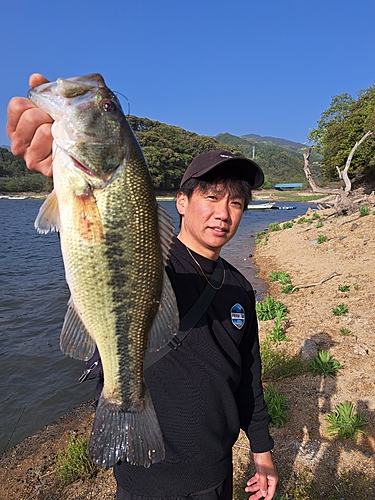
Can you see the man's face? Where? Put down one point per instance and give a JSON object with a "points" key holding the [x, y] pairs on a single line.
{"points": [[209, 219]]}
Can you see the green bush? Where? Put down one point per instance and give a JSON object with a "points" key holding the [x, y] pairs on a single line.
{"points": [[280, 276], [269, 308], [322, 238], [274, 226]]}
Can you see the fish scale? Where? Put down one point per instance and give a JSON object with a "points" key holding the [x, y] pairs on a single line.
{"points": [[114, 250]]}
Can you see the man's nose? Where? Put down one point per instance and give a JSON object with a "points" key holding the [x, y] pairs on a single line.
{"points": [[222, 210]]}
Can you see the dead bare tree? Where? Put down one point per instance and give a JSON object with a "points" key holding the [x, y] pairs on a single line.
{"points": [[339, 199], [344, 174]]}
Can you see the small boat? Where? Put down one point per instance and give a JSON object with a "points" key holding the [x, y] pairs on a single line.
{"points": [[17, 197], [286, 208], [261, 206]]}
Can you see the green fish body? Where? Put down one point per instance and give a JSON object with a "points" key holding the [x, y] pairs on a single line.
{"points": [[114, 241]]}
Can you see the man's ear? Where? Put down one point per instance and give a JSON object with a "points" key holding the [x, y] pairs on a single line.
{"points": [[181, 203]]}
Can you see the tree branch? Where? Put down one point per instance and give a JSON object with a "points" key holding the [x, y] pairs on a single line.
{"points": [[315, 284], [314, 187]]}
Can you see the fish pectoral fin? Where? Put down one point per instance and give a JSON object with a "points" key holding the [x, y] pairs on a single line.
{"points": [[75, 341], [87, 220], [48, 218], [167, 321], [134, 436], [166, 231]]}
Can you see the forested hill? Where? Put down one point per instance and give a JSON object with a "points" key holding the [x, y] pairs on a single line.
{"points": [[285, 143], [168, 151], [280, 164]]}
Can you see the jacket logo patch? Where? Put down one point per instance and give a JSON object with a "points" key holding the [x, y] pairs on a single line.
{"points": [[237, 315]]}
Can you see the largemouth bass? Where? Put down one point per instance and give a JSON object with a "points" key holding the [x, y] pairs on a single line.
{"points": [[114, 242]]}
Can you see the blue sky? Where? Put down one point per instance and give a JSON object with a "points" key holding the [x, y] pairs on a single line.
{"points": [[268, 67]]}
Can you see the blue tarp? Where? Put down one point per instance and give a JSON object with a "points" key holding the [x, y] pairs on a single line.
{"points": [[287, 186]]}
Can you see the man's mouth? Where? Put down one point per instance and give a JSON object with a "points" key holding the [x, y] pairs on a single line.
{"points": [[219, 230]]}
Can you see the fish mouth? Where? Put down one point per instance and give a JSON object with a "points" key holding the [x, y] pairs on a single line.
{"points": [[82, 167], [104, 177]]}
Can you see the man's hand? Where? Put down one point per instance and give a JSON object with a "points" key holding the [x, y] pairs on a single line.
{"points": [[29, 129], [263, 483]]}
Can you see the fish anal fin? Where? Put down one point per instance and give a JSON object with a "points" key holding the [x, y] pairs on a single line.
{"points": [[167, 321], [125, 435], [75, 340], [87, 219], [48, 218]]}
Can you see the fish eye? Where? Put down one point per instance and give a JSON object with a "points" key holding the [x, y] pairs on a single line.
{"points": [[108, 106]]}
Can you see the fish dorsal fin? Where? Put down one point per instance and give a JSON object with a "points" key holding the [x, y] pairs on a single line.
{"points": [[166, 231], [75, 340], [167, 321], [48, 218]]}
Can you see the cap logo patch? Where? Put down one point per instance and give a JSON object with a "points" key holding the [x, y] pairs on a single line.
{"points": [[237, 314], [226, 156]]}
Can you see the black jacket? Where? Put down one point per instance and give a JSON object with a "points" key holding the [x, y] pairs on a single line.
{"points": [[207, 389]]}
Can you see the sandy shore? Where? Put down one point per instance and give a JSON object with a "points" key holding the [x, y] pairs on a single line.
{"points": [[308, 459]]}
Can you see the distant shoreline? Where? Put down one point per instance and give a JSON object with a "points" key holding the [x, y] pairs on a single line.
{"points": [[264, 195]]}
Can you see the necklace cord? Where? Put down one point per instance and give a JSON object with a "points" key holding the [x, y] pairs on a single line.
{"points": [[204, 274]]}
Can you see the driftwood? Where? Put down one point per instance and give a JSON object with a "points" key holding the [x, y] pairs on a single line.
{"points": [[315, 284], [339, 198]]}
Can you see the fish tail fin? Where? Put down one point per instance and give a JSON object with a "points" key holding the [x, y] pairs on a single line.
{"points": [[132, 436]]}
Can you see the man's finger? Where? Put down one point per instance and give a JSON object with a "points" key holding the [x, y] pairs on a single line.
{"points": [[37, 79]]}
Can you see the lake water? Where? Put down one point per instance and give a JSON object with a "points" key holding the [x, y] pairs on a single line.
{"points": [[38, 383]]}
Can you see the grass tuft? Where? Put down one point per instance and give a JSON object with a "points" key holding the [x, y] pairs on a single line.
{"points": [[364, 210], [277, 365], [346, 331], [74, 462], [277, 334], [324, 365], [277, 406], [345, 422], [340, 310]]}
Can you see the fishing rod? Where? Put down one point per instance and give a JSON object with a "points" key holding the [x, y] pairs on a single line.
{"points": [[14, 430]]}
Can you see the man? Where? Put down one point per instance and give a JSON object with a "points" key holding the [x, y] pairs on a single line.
{"points": [[210, 387]]}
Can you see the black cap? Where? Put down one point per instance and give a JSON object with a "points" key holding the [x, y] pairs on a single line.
{"points": [[205, 162]]}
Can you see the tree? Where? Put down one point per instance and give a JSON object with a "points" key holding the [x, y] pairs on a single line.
{"points": [[338, 111], [341, 126]]}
